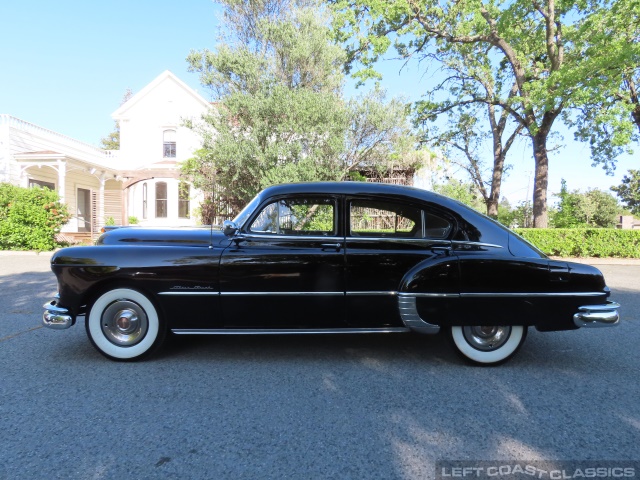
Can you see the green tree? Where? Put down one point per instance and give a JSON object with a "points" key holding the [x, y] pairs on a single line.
{"points": [[30, 218], [608, 114], [474, 119], [629, 191], [279, 116], [593, 208], [378, 137], [112, 141], [466, 193], [530, 44]]}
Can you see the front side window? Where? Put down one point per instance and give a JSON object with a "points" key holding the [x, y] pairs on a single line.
{"points": [[169, 143], [297, 216], [161, 200], [379, 218], [184, 191]]}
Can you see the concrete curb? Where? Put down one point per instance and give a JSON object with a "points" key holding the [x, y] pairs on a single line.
{"points": [[601, 261], [22, 253]]}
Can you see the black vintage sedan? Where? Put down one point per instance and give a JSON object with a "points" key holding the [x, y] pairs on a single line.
{"points": [[327, 258]]}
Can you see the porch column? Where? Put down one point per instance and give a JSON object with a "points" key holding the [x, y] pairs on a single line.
{"points": [[62, 176], [103, 180]]}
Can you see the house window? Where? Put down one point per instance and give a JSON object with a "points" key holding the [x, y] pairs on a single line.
{"points": [[169, 143], [161, 200], [184, 191], [144, 201], [40, 183]]}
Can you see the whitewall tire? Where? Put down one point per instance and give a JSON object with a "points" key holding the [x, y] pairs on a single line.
{"points": [[123, 324], [488, 345]]}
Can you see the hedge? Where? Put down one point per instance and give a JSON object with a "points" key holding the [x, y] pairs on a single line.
{"points": [[588, 242], [29, 218]]}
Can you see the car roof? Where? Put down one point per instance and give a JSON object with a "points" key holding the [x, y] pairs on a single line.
{"points": [[366, 188]]}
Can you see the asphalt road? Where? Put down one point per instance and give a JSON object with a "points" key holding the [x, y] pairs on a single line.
{"points": [[303, 408]]}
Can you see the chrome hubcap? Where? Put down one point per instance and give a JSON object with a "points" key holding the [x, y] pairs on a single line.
{"points": [[124, 323], [485, 338]]}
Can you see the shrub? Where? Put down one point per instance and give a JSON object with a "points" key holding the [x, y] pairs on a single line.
{"points": [[587, 242], [30, 218]]}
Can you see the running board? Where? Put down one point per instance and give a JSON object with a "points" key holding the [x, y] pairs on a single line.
{"points": [[285, 331]]}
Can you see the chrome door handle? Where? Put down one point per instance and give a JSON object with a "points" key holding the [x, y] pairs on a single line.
{"points": [[331, 246]]}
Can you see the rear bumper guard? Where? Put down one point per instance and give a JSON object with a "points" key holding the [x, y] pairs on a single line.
{"points": [[594, 316]]}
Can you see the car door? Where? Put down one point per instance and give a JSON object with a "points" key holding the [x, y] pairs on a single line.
{"points": [[385, 240], [285, 268]]}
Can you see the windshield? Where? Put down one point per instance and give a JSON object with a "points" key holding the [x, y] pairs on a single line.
{"points": [[241, 218]]}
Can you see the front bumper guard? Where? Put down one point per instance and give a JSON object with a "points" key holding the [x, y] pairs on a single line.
{"points": [[56, 317], [594, 316]]}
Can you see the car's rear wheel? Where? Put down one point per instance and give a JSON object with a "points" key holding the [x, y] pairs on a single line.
{"points": [[488, 345], [123, 324]]}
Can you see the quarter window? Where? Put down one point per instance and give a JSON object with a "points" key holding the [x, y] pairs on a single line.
{"points": [[436, 227], [161, 200], [169, 143], [372, 218], [297, 216]]}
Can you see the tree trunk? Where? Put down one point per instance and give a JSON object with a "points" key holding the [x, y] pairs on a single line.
{"points": [[496, 179], [540, 219]]}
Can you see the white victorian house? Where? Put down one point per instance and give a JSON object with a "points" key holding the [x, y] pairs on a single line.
{"points": [[140, 180]]}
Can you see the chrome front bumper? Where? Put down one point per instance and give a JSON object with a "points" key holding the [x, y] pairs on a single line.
{"points": [[56, 317], [597, 315]]}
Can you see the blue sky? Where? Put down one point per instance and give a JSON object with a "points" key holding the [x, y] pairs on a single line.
{"points": [[66, 65]]}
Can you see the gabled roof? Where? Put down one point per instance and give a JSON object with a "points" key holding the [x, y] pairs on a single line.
{"points": [[121, 112]]}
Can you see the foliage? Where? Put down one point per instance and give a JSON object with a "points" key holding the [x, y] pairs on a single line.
{"points": [[629, 191], [30, 218], [112, 141], [536, 48], [110, 222], [280, 116], [593, 208], [466, 193], [133, 220], [608, 115], [573, 242], [472, 126], [378, 137]]}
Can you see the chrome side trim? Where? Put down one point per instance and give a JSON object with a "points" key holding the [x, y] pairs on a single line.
{"points": [[372, 293], [181, 293], [593, 316], [287, 331], [275, 236], [475, 244], [411, 318], [532, 294], [289, 294], [56, 317], [423, 242], [429, 295]]}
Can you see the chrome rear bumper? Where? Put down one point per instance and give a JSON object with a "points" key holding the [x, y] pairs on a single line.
{"points": [[597, 315], [56, 317]]}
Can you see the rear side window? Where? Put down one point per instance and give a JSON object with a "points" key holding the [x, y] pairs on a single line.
{"points": [[297, 216], [436, 227], [373, 218]]}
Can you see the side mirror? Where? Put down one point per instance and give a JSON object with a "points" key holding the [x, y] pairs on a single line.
{"points": [[229, 228]]}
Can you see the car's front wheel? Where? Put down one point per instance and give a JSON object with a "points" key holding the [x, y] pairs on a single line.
{"points": [[488, 345], [123, 324]]}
